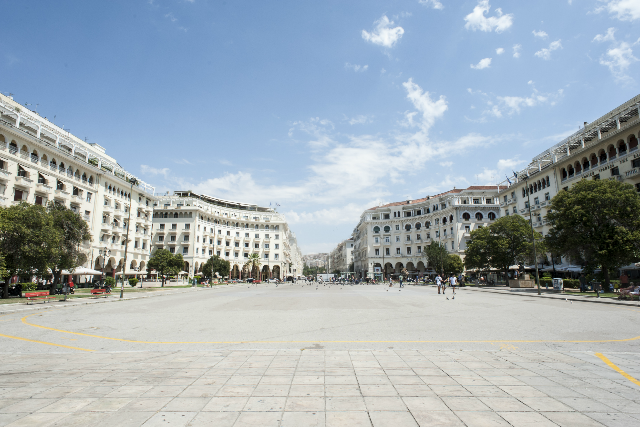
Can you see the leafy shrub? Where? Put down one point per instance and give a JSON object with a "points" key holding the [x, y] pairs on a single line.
{"points": [[110, 281], [29, 287], [133, 282]]}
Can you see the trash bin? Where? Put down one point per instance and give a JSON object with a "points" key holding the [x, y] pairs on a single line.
{"points": [[557, 285]]}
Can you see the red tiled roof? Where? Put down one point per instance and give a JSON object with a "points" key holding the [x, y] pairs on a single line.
{"points": [[454, 191]]}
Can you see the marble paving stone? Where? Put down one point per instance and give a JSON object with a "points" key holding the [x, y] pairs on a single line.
{"points": [[376, 403], [414, 390], [343, 390], [6, 419], [347, 419], [425, 404], [392, 419], [262, 419], [217, 419], [265, 404], [306, 419], [39, 419], [234, 404], [80, 419], [378, 390], [307, 390], [526, 419], [177, 419], [108, 404], [545, 404], [186, 404], [571, 419], [305, 404], [373, 380], [613, 419], [481, 419], [437, 418], [27, 406], [351, 403], [464, 404], [164, 391], [505, 404], [236, 390], [148, 404], [124, 419]]}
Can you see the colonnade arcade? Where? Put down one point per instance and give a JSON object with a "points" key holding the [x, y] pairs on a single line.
{"points": [[240, 271]]}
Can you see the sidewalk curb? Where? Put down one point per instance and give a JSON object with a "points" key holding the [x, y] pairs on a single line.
{"points": [[89, 301], [566, 297]]}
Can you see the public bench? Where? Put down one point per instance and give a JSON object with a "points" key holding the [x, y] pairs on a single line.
{"points": [[40, 295], [98, 292]]}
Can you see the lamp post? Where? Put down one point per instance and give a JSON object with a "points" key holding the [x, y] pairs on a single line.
{"points": [[126, 239], [533, 234]]}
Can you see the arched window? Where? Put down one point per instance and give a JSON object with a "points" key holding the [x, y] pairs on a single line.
{"points": [[491, 216], [418, 226], [175, 215], [622, 148], [466, 216], [633, 143], [479, 216], [564, 174], [91, 179], [387, 229], [603, 156], [407, 227], [450, 218], [444, 220], [376, 229], [427, 224]]}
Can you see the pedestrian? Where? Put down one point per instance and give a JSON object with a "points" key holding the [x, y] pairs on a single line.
{"points": [[452, 282], [583, 283], [624, 280], [401, 285], [439, 283]]}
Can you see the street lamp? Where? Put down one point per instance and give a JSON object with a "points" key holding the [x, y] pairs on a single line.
{"points": [[126, 239], [533, 235]]}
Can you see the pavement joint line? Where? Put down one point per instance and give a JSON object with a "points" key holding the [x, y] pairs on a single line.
{"points": [[617, 369], [26, 322]]}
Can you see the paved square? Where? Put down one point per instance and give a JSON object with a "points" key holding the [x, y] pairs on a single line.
{"points": [[332, 356]]}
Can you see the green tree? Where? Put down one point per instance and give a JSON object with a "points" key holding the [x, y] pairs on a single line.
{"points": [[504, 243], [254, 262], [28, 241], [215, 264], [164, 262], [437, 256], [597, 221], [454, 264], [74, 230]]}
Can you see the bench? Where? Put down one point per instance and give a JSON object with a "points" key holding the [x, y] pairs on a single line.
{"points": [[40, 295], [98, 292]]}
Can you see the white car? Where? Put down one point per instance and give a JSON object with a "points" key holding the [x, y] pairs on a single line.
{"points": [[273, 280]]}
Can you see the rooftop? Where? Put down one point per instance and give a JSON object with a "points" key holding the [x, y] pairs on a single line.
{"points": [[454, 191]]}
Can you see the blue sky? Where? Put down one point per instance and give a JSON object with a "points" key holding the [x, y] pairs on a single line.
{"points": [[324, 107]]}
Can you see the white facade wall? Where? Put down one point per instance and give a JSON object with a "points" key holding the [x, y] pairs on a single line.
{"points": [[392, 237], [41, 163], [199, 226]]}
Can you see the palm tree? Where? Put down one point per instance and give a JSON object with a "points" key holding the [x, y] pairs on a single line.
{"points": [[253, 262]]}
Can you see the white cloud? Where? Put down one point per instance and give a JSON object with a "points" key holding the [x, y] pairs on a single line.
{"points": [[546, 52], [484, 63], [424, 104], [624, 10], [446, 164], [540, 34], [477, 20], [608, 37], [446, 184], [383, 34], [433, 3], [619, 59], [359, 120], [498, 106], [151, 171], [504, 167], [516, 50], [500, 51], [356, 68], [171, 17]]}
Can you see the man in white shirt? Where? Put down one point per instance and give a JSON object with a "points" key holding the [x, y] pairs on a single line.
{"points": [[439, 283]]}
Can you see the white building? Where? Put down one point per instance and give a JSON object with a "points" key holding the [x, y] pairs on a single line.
{"points": [[198, 227], [391, 237], [41, 163], [604, 149], [342, 256]]}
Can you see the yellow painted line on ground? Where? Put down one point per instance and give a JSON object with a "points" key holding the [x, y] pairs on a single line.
{"points": [[26, 322], [43, 342], [618, 370]]}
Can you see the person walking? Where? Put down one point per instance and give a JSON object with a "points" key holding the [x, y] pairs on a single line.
{"points": [[583, 283], [401, 285], [439, 283], [452, 283]]}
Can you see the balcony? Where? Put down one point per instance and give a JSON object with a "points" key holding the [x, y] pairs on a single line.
{"points": [[105, 226], [107, 208], [23, 180], [43, 187]]}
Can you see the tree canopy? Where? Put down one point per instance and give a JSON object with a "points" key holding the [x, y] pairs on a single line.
{"points": [[437, 256], [253, 262], [454, 265], [504, 243], [29, 241], [215, 264], [596, 222], [164, 262]]}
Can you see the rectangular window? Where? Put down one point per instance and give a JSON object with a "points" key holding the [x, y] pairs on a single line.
{"points": [[387, 251], [185, 239], [135, 244], [536, 201], [377, 252], [266, 236], [210, 252], [246, 234], [376, 240], [161, 226], [246, 245], [266, 256], [277, 236], [228, 233], [89, 196], [257, 236], [276, 256], [227, 244], [467, 228], [235, 254], [219, 242], [226, 254], [408, 251], [397, 251], [160, 238], [635, 163], [173, 238], [185, 250], [387, 240], [266, 246], [187, 226], [397, 238], [172, 250], [256, 245], [476, 201], [397, 227], [246, 255], [17, 196], [386, 216], [174, 226], [39, 200], [277, 246], [547, 197], [615, 171], [218, 253], [237, 234], [515, 209], [419, 249]]}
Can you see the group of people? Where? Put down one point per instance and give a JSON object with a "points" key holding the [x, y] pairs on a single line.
{"points": [[452, 281]]}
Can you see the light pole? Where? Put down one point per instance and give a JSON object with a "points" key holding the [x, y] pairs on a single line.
{"points": [[533, 234], [126, 239]]}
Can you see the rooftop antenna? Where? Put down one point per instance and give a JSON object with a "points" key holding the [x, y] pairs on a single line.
{"points": [[10, 95]]}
